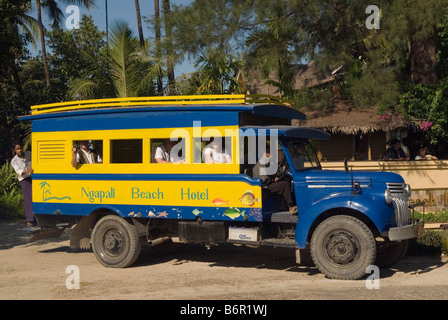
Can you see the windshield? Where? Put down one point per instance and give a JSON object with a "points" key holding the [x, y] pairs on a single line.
{"points": [[302, 154]]}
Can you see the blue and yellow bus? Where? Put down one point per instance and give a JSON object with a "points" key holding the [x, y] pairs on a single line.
{"points": [[128, 172]]}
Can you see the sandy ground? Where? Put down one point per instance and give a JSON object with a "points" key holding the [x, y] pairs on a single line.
{"points": [[38, 271]]}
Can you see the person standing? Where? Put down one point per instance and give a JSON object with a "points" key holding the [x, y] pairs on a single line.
{"points": [[22, 165]]}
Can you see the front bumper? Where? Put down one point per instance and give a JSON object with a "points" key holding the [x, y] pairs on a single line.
{"points": [[414, 230]]}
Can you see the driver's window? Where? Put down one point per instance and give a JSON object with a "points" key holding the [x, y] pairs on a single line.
{"points": [[302, 155]]}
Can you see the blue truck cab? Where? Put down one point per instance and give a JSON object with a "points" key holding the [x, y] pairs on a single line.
{"points": [[348, 220]]}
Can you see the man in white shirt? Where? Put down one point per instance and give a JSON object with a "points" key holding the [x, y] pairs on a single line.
{"points": [[165, 153], [22, 165], [83, 155]]}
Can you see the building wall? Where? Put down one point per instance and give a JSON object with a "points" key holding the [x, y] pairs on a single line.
{"points": [[337, 148]]}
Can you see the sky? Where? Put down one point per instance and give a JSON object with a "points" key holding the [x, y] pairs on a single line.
{"points": [[124, 10]]}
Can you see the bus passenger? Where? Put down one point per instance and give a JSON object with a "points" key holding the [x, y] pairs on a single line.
{"points": [[163, 153], [82, 154], [213, 154]]}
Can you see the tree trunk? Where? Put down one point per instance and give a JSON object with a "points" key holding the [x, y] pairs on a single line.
{"points": [[158, 49], [139, 24], [423, 59], [42, 41], [169, 46]]}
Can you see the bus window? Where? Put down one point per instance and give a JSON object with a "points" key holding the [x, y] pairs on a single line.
{"points": [[219, 150], [166, 150], [126, 151], [87, 152]]}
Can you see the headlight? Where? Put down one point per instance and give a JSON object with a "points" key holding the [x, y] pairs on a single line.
{"points": [[388, 196], [408, 189]]}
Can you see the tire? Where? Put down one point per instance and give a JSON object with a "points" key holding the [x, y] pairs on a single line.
{"points": [[389, 254], [342, 247], [115, 242]]}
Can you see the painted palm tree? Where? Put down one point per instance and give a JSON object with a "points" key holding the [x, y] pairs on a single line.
{"points": [[45, 190], [56, 14]]}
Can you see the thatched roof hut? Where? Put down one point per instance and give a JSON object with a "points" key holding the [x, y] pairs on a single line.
{"points": [[344, 118]]}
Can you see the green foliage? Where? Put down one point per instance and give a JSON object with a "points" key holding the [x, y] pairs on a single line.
{"points": [[438, 216], [8, 180], [217, 72], [11, 198], [130, 69], [431, 243], [429, 102]]}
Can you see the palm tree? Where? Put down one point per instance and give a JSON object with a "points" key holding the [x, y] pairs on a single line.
{"points": [[131, 71], [139, 24], [158, 49], [56, 15], [169, 45], [126, 61], [218, 70]]}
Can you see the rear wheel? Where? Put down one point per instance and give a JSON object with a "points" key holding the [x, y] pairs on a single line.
{"points": [[342, 247], [115, 242]]}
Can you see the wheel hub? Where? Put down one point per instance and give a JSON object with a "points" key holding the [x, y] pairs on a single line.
{"points": [[342, 249], [113, 241]]}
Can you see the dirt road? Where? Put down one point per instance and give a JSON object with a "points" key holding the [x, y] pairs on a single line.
{"points": [[38, 271]]}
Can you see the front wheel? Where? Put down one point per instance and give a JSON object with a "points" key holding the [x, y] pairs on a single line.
{"points": [[115, 242], [342, 247]]}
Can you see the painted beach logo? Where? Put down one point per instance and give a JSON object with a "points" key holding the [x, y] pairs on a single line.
{"points": [[46, 193]]}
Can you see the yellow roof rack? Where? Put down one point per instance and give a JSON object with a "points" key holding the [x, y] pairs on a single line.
{"points": [[156, 100]]}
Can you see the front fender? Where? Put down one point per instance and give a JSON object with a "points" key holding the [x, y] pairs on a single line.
{"points": [[374, 208]]}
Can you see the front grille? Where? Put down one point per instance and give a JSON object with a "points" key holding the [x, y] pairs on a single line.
{"points": [[400, 200]]}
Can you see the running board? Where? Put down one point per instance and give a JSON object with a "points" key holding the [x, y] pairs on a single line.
{"points": [[44, 233], [284, 217], [270, 242]]}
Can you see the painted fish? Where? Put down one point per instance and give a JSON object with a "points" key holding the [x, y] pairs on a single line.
{"points": [[151, 214], [248, 198], [233, 213], [220, 202], [163, 214], [196, 212]]}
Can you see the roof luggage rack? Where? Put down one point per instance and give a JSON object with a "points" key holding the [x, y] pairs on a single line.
{"points": [[158, 101]]}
